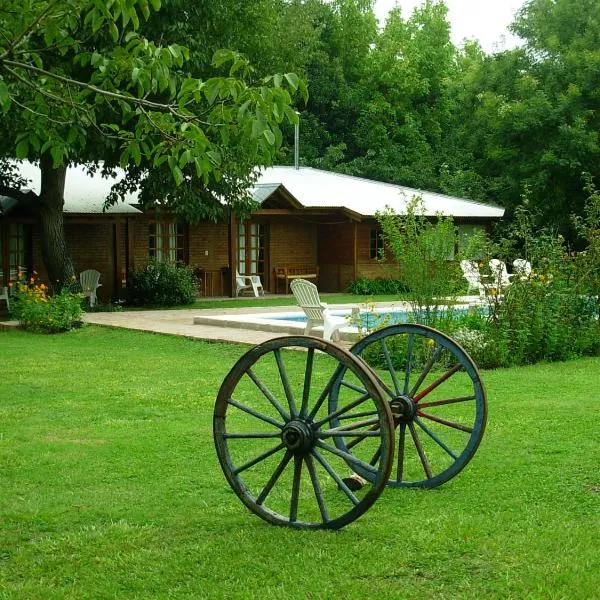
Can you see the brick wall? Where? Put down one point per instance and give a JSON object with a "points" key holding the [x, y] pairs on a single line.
{"points": [[291, 241], [92, 247]]}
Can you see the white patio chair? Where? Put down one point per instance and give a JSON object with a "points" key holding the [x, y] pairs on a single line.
{"points": [[89, 281], [4, 296], [317, 313], [522, 268], [499, 273], [471, 274], [255, 284]]}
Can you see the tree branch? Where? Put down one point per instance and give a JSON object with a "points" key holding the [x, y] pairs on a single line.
{"points": [[15, 43], [141, 102]]}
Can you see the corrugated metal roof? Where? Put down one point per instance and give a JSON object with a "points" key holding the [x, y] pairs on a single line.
{"points": [[263, 190], [84, 193], [315, 188]]}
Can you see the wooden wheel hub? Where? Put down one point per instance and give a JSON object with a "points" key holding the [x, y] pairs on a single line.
{"points": [[298, 437], [403, 409]]}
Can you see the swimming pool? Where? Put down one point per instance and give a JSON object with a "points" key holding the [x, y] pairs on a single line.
{"points": [[287, 322]]}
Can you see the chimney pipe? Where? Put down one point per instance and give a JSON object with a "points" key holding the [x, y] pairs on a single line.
{"points": [[297, 143]]}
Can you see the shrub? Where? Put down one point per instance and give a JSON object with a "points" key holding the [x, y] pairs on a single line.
{"points": [[364, 286], [36, 310], [424, 251], [161, 284]]}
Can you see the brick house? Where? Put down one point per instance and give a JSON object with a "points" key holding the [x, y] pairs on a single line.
{"points": [[307, 218]]}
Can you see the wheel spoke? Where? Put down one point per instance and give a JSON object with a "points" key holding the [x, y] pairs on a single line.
{"points": [[409, 352], [434, 358], [273, 480], [307, 377], [401, 445], [366, 413], [255, 413], [336, 477], [338, 371], [268, 394], [447, 401], [286, 383], [390, 366], [446, 422], [376, 456], [351, 386], [436, 439], [341, 411], [350, 458], [329, 433], [317, 487], [438, 381], [258, 459], [295, 488], [357, 425], [246, 436], [353, 443], [420, 450]]}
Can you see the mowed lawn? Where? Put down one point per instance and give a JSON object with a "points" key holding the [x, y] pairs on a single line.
{"points": [[110, 488]]}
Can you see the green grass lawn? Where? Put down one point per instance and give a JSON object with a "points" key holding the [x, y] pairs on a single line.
{"points": [[110, 488]]}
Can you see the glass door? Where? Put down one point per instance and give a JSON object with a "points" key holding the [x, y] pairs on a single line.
{"points": [[252, 249]]}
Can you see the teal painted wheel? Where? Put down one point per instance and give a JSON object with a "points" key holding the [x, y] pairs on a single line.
{"points": [[275, 440], [437, 399]]}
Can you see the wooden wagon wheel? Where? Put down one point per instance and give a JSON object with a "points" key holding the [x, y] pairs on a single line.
{"points": [[437, 399], [275, 440]]}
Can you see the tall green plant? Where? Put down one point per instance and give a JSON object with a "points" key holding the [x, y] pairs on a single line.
{"points": [[424, 251]]}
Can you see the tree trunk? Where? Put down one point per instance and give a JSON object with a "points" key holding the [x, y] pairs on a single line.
{"points": [[55, 252]]}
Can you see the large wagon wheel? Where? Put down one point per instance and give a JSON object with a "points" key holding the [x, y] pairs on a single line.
{"points": [[437, 400], [275, 439]]}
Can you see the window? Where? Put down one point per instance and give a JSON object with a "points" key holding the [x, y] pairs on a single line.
{"points": [[14, 251], [376, 244], [166, 241]]}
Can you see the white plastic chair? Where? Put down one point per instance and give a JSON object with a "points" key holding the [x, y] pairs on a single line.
{"points": [[4, 296], [255, 284], [522, 268], [499, 272], [89, 281], [471, 273], [317, 313]]}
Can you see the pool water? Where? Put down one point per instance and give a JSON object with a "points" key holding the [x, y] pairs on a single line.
{"points": [[368, 320]]}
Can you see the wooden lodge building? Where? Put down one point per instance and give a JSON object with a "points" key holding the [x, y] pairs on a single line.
{"points": [[310, 221]]}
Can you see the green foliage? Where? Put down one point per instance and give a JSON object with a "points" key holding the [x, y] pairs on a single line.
{"points": [[81, 83], [365, 286], [424, 251], [161, 284], [37, 310]]}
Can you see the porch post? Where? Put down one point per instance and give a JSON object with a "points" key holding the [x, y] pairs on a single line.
{"points": [[355, 254], [233, 251]]}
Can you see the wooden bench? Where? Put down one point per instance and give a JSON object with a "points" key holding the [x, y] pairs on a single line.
{"points": [[287, 273]]}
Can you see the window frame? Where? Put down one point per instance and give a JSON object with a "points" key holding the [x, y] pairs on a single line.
{"points": [[162, 234], [376, 245]]}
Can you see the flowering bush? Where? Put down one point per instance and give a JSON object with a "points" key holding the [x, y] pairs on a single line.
{"points": [[37, 310]]}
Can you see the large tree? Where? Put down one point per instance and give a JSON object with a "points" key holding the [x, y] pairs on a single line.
{"points": [[80, 83]]}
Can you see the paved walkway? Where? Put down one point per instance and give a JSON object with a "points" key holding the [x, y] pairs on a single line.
{"points": [[180, 322]]}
